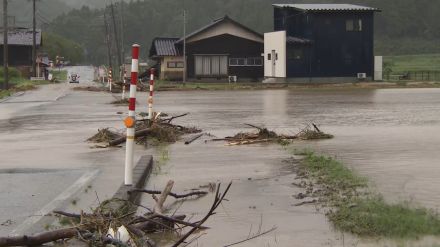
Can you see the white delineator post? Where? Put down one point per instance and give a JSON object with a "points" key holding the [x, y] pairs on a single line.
{"points": [[150, 97], [130, 120]]}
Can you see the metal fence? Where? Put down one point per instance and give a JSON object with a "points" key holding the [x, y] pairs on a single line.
{"points": [[414, 76]]}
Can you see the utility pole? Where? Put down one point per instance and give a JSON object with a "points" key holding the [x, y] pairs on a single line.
{"points": [[118, 47], [34, 41], [122, 32], [108, 41], [122, 72], [5, 45], [184, 43]]}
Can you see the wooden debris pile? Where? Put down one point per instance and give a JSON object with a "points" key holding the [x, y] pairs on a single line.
{"points": [[120, 102], [264, 135], [105, 135], [91, 89], [312, 132], [121, 226], [160, 130]]}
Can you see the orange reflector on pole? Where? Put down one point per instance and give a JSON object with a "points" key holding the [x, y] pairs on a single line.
{"points": [[129, 122]]}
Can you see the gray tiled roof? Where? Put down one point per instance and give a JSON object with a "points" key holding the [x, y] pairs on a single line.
{"points": [[295, 40], [166, 47], [21, 37], [215, 22], [326, 7]]}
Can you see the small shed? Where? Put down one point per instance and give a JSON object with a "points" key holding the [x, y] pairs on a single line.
{"points": [[20, 48], [168, 57]]}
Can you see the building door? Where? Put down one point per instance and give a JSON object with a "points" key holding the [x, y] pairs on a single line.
{"points": [[211, 65]]}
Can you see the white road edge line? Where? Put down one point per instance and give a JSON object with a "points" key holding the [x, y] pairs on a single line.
{"points": [[55, 203], [60, 96]]}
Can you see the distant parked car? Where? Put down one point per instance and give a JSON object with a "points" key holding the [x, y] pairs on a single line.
{"points": [[74, 78]]}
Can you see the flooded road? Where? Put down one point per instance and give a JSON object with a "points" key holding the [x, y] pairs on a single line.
{"points": [[46, 162], [389, 135]]}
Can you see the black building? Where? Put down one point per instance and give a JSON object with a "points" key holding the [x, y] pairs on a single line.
{"points": [[326, 40], [221, 49]]}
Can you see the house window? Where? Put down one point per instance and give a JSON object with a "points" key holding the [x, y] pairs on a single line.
{"points": [[269, 56], [250, 61], [211, 65], [237, 61], [175, 64], [258, 61], [353, 25]]}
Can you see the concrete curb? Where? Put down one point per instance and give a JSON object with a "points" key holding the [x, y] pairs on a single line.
{"points": [[141, 173]]}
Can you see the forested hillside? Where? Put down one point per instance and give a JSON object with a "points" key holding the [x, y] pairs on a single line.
{"points": [[403, 26], [47, 10], [89, 3]]}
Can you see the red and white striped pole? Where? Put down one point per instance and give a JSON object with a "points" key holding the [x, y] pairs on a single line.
{"points": [[110, 78], [131, 119], [124, 81], [150, 98]]}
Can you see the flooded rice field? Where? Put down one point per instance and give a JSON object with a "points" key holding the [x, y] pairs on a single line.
{"points": [[389, 135]]}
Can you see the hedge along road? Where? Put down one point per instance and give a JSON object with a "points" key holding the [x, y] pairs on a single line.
{"points": [[45, 162]]}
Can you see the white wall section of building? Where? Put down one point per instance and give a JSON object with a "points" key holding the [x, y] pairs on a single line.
{"points": [[378, 68], [275, 54]]}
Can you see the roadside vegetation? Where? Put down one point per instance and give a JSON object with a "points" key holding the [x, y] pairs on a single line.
{"points": [[17, 83], [56, 45], [353, 208], [421, 62], [60, 75]]}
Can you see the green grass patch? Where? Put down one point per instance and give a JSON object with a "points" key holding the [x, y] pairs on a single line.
{"points": [[413, 63], [354, 209], [171, 86], [333, 173], [60, 75], [374, 217], [4, 93]]}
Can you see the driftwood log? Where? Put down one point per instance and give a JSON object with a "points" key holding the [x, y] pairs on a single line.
{"points": [[121, 140], [39, 239], [192, 139], [158, 208], [168, 120], [177, 196]]}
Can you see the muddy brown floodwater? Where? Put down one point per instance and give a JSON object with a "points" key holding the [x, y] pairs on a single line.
{"points": [[391, 136]]}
